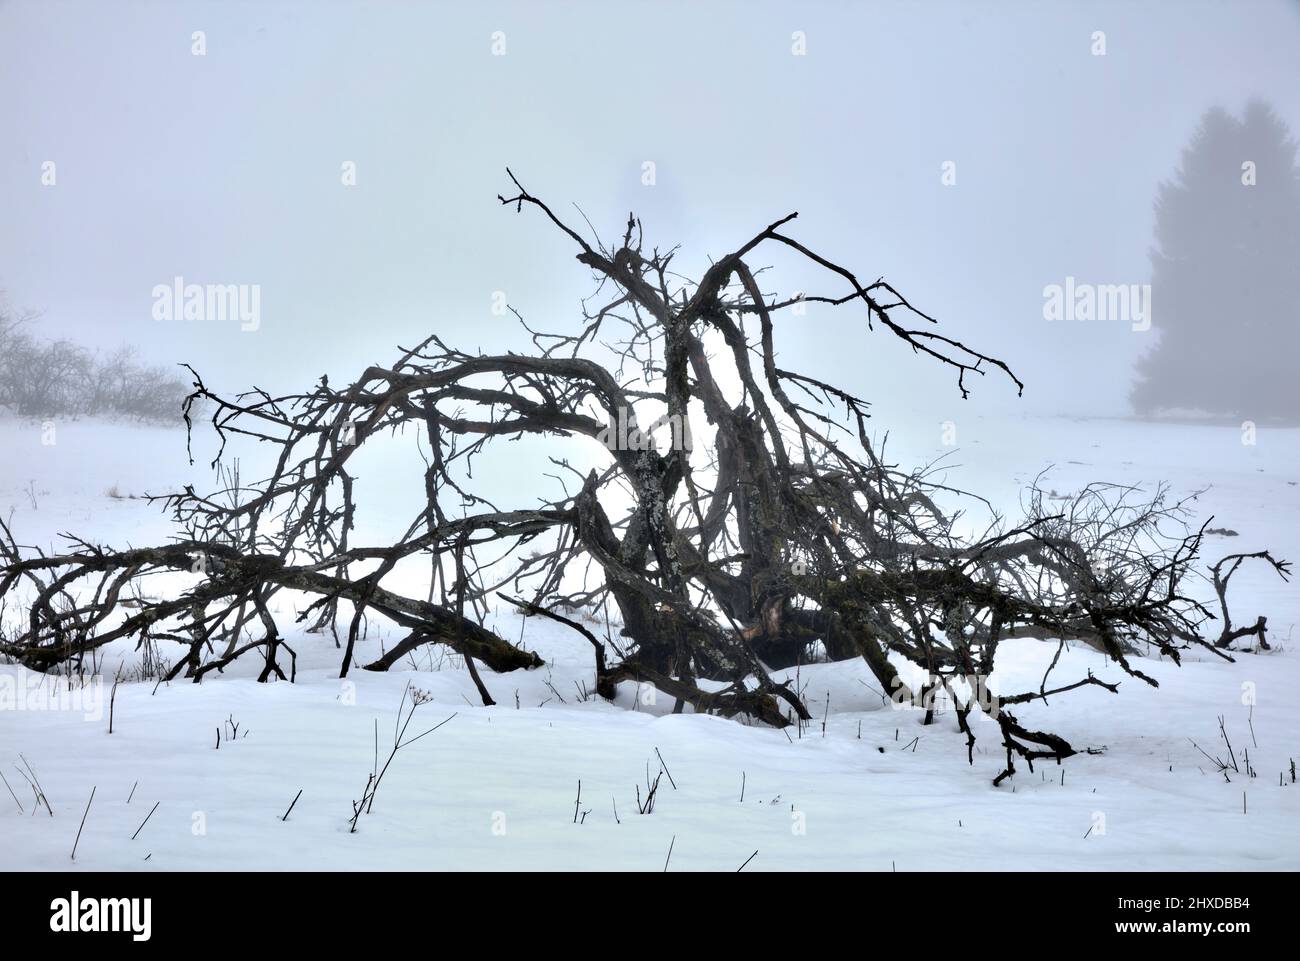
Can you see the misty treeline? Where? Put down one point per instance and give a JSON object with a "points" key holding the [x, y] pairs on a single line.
{"points": [[775, 531], [59, 378], [1225, 282]]}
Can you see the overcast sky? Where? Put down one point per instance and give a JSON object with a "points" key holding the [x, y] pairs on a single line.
{"points": [[226, 167]]}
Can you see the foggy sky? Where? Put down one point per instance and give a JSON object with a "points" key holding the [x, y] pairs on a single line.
{"points": [[225, 168]]}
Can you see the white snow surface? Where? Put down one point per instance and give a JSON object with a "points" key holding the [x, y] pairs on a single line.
{"points": [[865, 786]]}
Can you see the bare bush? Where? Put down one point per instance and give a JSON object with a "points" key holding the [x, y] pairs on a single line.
{"points": [[42, 378], [725, 557]]}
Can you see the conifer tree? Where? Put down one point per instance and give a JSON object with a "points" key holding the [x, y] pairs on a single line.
{"points": [[1226, 275]]}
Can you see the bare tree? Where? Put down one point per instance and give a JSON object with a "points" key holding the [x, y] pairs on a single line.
{"points": [[61, 378], [726, 556]]}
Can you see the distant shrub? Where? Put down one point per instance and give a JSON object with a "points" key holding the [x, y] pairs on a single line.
{"points": [[46, 378]]}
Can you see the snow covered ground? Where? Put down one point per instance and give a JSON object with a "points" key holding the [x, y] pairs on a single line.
{"points": [[864, 787]]}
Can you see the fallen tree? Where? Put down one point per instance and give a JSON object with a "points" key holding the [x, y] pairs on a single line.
{"points": [[725, 557]]}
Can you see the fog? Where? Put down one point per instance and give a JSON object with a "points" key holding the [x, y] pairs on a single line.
{"points": [[971, 154], [880, 627]]}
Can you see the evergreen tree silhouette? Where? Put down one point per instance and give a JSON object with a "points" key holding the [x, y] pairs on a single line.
{"points": [[1225, 285]]}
